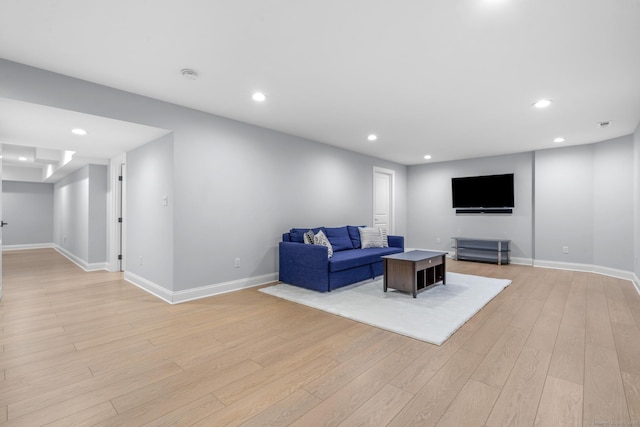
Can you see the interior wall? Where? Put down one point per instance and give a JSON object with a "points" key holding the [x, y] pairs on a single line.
{"points": [[237, 187], [431, 215], [240, 187], [636, 198], [79, 214], [613, 204], [147, 220], [71, 214], [97, 245], [584, 203], [27, 207]]}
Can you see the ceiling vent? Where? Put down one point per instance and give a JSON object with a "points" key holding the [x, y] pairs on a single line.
{"points": [[604, 125], [189, 74]]}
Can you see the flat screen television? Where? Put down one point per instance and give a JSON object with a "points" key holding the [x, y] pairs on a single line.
{"points": [[483, 192]]}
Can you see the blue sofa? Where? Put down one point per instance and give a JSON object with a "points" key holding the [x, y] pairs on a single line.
{"points": [[310, 267]]}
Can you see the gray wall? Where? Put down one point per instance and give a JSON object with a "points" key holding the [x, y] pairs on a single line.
{"points": [[28, 208], [431, 215], [239, 187], [71, 214], [584, 200], [236, 187], [636, 197], [580, 196], [80, 213], [98, 177], [148, 222]]}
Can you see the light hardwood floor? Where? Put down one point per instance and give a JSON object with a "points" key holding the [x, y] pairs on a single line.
{"points": [[78, 349]]}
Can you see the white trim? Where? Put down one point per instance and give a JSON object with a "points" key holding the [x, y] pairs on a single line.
{"points": [[200, 292], [521, 261], [94, 266], [112, 211], [9, 248], [392, 208], [589, 268], [636, 282], [605, 271], [149, 286]]}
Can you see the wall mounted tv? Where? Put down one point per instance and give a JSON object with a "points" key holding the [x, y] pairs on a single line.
{"points": [[483, 194]]}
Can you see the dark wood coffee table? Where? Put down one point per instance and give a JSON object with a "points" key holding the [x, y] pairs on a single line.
{"points": [[413, 271]]}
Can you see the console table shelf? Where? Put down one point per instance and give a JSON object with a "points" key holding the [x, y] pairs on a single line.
{"points": [[483, 250]]}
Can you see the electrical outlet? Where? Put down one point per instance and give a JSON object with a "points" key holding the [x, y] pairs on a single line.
{"points": [[437, 240], [140, 259], [565, 249], [237, 263]]}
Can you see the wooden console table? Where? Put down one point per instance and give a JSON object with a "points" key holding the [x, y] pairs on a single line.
{"points": [[413, 271]]}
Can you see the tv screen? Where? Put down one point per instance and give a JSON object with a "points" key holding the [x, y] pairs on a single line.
{"points": [[489, 191]]}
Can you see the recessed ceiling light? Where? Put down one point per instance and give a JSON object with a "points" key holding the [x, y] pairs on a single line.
{"points": [[372, 137], [427, 157], [189, 74], [78, 131], [22, 158], [559, 139], [259, 97], [543, 103]]}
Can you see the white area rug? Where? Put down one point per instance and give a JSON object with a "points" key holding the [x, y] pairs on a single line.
{"points": [[433, 316]]}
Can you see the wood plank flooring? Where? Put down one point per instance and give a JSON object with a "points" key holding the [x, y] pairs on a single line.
{"points": [[554, 348]]}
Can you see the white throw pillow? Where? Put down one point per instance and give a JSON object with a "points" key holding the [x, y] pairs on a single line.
{"points": [[384, 236], [321, 239], [370, 237], [308, 237]]}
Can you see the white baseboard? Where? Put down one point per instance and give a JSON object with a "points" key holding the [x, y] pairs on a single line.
{"points": [[200, 292], [86, 266], [8, 248], [147, 285], [589, 268], [521, 261], [636, 282]]}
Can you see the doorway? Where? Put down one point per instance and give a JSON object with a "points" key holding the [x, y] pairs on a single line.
{"points": [[383, 198]]}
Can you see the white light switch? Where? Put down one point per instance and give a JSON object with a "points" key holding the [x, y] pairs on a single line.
{"points": [[165, 200]]}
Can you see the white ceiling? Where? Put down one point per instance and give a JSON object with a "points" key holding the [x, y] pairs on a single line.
{"points": [[35, 136], [454, 79]]}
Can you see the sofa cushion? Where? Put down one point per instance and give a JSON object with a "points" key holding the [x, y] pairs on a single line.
{"points": [[356, 257], [297, 234], [354, 234], [339, 238]]}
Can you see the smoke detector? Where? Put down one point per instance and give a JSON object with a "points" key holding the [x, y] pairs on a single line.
{"points": [[604, 125], [189, 74]]}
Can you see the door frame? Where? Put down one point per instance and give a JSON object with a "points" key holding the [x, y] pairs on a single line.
{"points": [[392, 198], [117, 209]]}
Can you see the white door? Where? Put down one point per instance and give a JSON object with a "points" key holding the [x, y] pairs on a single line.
{"points": [[383, 198]]}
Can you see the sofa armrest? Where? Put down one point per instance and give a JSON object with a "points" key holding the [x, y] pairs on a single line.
{"points": [[396, 241], [304, 265]]}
